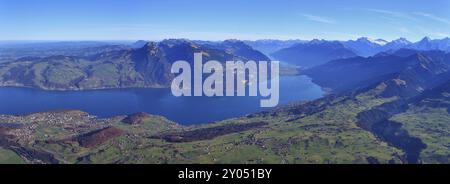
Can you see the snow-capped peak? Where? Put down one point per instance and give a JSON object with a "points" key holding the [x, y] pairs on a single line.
{"points": [[371, 40], [380, 41], [402, 40], [425, 39]]}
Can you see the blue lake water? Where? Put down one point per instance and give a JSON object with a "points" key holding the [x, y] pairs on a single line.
{"points": [[184, 110]]}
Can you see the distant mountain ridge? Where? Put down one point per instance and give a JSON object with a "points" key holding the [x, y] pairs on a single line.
{"points": [[369, 47], [269, 46], [308, 54], [408, 70], [429, 44], [365, 46], [312, 53]]}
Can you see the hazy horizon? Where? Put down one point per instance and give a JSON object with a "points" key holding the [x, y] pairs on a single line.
{"points": [[219, 40]]}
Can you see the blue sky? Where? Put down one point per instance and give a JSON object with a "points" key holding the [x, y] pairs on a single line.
{"points": [[217, 20]]}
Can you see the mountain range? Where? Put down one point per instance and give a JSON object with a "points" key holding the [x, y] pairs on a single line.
{"points": [[391, 107], [99, 65], [145, 66], [358, 72], [269, 46], [313, 53], [388, 109], [317, 52], [368, 47]]}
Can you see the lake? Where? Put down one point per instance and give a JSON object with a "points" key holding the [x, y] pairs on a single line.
{"points": [[184, 110]]}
